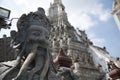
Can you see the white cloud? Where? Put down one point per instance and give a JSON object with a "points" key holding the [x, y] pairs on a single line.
{"points": [[79, 12], [101, 13], [105, 16], [32, 5], [82, 21], [97, 41], [87, 13], [21, 2], [19, 7]]}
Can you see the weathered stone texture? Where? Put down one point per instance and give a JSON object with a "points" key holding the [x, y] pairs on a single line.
{"points": [[6, 51], [73, 42]]}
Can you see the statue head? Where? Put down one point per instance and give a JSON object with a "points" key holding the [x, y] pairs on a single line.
{"points": [[33, 27], [38, 34]]}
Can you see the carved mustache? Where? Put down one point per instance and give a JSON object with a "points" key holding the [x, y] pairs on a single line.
{"points": [[30, 58], [40, 41], [27, 61]]}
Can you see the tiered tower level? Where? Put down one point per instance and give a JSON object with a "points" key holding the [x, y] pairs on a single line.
{"points": [[74, 42]]}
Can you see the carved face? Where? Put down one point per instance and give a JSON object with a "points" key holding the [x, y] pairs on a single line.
{"points": [[38, 34]]}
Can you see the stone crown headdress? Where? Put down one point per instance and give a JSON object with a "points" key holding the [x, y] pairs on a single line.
{"points": [[25, 21], [33, 18]]}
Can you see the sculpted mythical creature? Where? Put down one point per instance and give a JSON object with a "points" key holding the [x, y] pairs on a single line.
{"points": [[33, 61]]}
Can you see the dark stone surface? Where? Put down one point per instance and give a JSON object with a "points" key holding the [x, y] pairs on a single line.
{"points": [[7, 53], [33, 60]]}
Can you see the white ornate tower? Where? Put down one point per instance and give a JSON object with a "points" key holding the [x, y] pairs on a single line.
{"points": [[116, 12], [57, 1], [61, 29], [74, 43], [57, 14]]}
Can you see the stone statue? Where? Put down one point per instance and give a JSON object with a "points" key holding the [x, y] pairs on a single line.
{"points": [[56, 43], [67, 74], [33, 61], [76, 65], [61, 41]]}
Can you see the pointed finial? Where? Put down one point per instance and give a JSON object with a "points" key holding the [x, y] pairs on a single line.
{"points": [[57, 1]]}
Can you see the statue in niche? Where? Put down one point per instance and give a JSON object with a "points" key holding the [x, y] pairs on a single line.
{"points": [[64, 40], [55, 43], [76, 65], [69, 53], [90, 59], [69, 40], [33, 61], [83, 57], [79, 57], [61, 42], [87, 58], [54, 40], [62, 28]]}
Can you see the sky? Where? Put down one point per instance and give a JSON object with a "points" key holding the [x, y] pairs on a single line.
{"points": [[93, 16]]}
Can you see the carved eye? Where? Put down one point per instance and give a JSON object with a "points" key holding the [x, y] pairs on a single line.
{"points": [[47, 37], [36, 33]]}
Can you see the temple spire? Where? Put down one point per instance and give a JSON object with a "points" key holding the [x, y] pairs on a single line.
{"points": [[57, 1], [57, 14]]}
